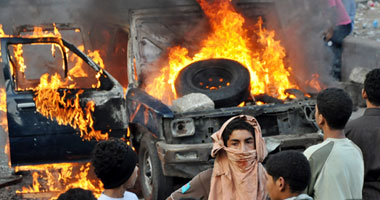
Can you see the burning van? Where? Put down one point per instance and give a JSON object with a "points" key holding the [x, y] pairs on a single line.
{"points": [[59, 101], [190, 69]]}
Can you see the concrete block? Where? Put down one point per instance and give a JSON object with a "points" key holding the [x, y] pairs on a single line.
{"points": [[355, 92], [358, 74], [359, 52], [193, 102]]}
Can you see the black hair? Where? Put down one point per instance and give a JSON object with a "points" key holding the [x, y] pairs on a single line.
{"points": [[77, 193], [372, 86], [237, 124], [292, 166], [114, 162], [335, 105]]}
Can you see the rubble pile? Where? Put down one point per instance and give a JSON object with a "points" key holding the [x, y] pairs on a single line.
{"points": [[367, 20]]}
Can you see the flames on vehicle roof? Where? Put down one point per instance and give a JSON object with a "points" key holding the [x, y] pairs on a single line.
{"points": [[260, 53]]}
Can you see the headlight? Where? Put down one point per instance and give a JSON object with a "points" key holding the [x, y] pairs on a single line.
{"points": [[182, 127]]}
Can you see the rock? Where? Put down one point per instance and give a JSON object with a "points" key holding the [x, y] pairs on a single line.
{"points": [[362, 6], [355, 91], [358, 74], [193, 102]]}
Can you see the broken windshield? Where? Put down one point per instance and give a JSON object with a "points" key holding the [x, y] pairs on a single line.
{"points": [[31, 61]]}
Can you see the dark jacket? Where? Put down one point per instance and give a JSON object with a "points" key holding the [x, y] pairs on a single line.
{"points": [[197, 188], [365, 132]]}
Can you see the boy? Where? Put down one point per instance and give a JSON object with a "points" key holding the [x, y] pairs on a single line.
{"points": [[238, 174], [288, 174], [337, 168], [115, 165]]}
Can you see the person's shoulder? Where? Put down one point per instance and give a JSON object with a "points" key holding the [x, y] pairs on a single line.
{"points": [[354, 146], [303, 197], [317, 148], [206, 174], [197, 188], [355, 123], [130, 196], [104, 197]]}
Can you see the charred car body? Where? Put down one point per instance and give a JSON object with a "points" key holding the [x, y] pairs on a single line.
{"points": [[169, 144], [178, 144], [37, 139]]}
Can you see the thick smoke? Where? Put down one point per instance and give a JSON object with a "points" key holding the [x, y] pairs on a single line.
{"points": [[105, 24], [300, 27], [303, 23]]}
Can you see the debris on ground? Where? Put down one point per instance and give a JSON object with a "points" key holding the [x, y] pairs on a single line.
{"points": [[366, 24]]}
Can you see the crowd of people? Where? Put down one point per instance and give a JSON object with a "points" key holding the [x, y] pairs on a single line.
{"points": [[346, 165]]}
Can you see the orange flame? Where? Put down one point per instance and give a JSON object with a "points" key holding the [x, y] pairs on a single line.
{"points": [[61, 177], [3, 100], [4, 122], [38, 32], [3, 110], [2, 33], [67, 112], [95, 56], [77, 70], [47, 97], [18, 57], [259, 103], [230, 40], [127, 139], [315, 83]]}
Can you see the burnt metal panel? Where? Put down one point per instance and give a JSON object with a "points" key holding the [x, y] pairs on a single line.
{"points": [[274, 119], [49, 148], [147, 111]]}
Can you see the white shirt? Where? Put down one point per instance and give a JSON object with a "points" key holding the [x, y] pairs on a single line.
{"points": [[337, 170], [127, 196]]}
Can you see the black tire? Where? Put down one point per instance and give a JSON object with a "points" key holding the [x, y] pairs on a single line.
{"points": [[226, 82], [154, 185]]}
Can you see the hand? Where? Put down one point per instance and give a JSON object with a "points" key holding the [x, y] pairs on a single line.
{"points": [[327, 35]]}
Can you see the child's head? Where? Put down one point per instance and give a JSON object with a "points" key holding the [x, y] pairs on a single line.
{"points": [[115, 163], [77, 193], [334, 108], [239, 134], [372, 87], [288, 172]]}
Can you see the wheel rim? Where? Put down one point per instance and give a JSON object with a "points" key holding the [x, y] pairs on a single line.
{"points": [[212, 78], [148, 179]]}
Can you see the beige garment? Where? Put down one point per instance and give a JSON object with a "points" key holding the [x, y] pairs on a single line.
{"points": [[238, 175]]}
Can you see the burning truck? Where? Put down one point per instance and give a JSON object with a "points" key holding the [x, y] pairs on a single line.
{"points": [[190, 68], [221, 51]]}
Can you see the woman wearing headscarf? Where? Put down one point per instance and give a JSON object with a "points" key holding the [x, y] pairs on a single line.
{"points": [[239, 149]]}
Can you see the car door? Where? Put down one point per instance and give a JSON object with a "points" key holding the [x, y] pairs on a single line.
{"points": [[37, 138]]}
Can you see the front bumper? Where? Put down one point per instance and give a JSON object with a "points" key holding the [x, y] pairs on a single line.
{"points": [[187, 160], [184, 160]]}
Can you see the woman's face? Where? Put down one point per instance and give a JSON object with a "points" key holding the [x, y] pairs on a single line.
{"points": [[242, 140]]}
